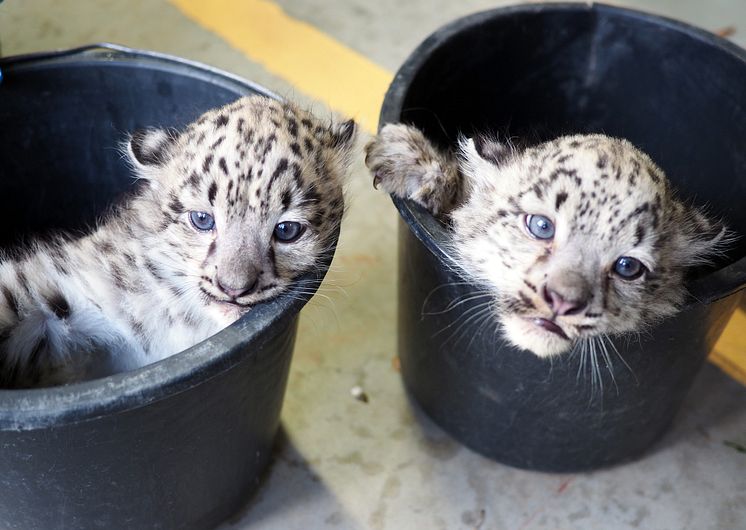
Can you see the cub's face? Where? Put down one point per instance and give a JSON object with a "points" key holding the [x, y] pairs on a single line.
{"points": [[575, 238], [243, 201]]}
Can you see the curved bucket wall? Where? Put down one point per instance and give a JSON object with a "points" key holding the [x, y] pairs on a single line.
{"points": [[538, 71], [177, 444]]}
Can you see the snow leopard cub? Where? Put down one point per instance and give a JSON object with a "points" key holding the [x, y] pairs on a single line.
{"points": [[577, 237], [231, 210]]}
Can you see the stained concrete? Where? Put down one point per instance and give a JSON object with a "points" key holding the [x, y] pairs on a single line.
{"points": [[381, 465]]}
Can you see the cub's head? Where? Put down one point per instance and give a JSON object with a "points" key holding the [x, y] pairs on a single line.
{"points": [[243, 201], [577, 237]]}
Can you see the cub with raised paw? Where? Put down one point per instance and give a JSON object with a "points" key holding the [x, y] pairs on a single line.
{"points": [[576, 238]]}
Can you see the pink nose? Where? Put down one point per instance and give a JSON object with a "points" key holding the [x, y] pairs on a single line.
{"points": [[561, 306], [235, 292]]}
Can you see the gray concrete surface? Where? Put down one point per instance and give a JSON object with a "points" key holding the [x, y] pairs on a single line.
{"points": [[381, 465]]}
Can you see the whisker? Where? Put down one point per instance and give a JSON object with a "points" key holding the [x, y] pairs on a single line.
{"points": [[581, 362], [607, 361], [596, 382], [624, 361], [473, 313], [487, 318], [466, 313], [456, 302], [447, 285]]}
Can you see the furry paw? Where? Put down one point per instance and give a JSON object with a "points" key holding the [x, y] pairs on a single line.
{"points": [[405, 164]]}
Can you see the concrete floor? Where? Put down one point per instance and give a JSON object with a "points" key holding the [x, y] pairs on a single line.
{"points": [[341, 463]]}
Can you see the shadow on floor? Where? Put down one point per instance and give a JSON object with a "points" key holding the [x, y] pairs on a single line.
{"points": [[294, 474]]}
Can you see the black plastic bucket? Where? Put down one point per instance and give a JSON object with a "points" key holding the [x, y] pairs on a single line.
{"points": [[539, 71], [179, 443]]}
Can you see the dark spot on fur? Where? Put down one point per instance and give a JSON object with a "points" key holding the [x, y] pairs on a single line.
{"points": [[286, 199], [560, 200], [11, 300], [211, 249], [639, 235], [221, 121], [176, 205], [223, 166], [282, 166], [207, 163], [59, 305], [118, 275], [152, 268], [527, 302], [217, 142], [106, 247], [293, 127], [194, 179], [211, 192], [318, 218], [23, 281], [308, 144], [271, 256], [137, 326], [311, 195]]}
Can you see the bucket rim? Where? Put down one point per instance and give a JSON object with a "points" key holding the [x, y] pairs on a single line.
{"points": [[38, 408], [718, 284]]}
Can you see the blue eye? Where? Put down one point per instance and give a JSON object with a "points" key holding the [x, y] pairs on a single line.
{"points": [[540, 227], [628, 268], [202, 221], [288, 231]]}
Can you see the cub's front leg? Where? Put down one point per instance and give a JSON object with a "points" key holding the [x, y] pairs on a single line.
{"points": [[405, 164]]}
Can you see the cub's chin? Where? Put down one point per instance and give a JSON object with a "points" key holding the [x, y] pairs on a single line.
{"points": [[540, 336]]}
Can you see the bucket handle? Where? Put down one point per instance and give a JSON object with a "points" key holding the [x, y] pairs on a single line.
{"points": [[99, 46], [126, 51]]}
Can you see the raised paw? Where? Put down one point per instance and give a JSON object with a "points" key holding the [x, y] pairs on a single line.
{"points": [[405, 164]]}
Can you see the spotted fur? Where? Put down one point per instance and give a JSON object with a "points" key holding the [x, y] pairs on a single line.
{"points": [[606, 200], [146, 283]]}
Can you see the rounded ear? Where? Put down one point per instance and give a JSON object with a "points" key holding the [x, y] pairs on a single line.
{"points": [[149, 148], [491, 150], [481, 158], [699, 238], [341, 140], [343, 134]]}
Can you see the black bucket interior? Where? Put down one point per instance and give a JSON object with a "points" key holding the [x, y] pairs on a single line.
{"points": [[62, 126], [535, 72]]}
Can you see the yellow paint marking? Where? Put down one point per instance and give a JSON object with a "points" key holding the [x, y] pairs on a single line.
{"points": [[310, 60], [729, 353], [348, 82]]}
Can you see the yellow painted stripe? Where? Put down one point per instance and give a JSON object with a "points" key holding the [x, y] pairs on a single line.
{"points": [[310, 60], [729, 353], [348, 82]]}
